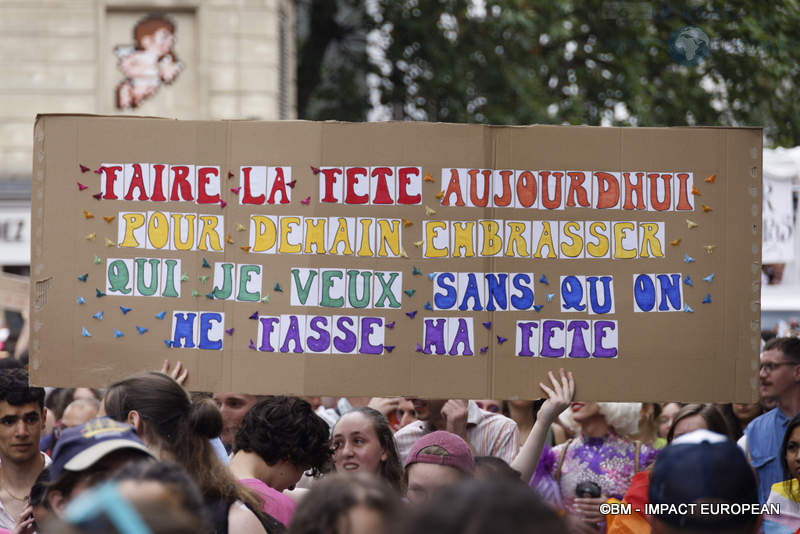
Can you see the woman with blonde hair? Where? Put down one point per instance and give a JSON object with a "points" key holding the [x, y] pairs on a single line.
{"points": [[581, 473]]}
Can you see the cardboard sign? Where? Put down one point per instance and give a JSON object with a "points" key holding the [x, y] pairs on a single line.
{"points": [[433, 260], [14, 292]]}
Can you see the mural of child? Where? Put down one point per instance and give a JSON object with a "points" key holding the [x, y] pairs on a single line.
{"points": [[148, 64]]}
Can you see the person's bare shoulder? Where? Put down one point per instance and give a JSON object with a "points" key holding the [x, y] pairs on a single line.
{"points": [[241, 519]]}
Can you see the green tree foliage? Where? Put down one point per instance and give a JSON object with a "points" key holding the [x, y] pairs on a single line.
{"points": [[570, 62]]}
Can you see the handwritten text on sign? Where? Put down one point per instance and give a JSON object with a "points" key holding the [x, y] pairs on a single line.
{"points": [[347, 288]]}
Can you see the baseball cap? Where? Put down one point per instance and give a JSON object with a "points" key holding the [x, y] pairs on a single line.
{"points": [[458, 454], [703, 468], [82, 446]]}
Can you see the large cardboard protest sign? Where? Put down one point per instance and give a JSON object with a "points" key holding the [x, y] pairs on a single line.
{"points": [[419, 259]]}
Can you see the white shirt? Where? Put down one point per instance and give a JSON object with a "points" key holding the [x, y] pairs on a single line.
{"points": [[490, 434], [8, 522]]}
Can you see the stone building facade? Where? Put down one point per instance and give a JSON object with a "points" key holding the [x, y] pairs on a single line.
{"points": [[230, 59]]}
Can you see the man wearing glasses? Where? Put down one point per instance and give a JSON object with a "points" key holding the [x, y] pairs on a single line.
{"points": [[22, 415], [779, 376]]}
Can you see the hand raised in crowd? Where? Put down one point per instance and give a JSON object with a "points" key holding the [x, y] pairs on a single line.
{"points": [[558, 397], [385, 405], [454, 413], [175, 374]]}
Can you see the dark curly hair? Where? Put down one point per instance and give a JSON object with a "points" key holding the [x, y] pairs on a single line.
{"points": [[285, 428], [14, 389]]}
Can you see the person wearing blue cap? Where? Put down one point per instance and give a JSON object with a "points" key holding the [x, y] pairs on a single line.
{"points": [[702, 482], [89, 454]]}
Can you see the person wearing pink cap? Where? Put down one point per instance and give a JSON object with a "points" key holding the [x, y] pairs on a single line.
{"points": [[488, 433], [435, 461]]}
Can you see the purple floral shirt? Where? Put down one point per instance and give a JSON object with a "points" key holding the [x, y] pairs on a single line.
{"points": [[607, 461]]}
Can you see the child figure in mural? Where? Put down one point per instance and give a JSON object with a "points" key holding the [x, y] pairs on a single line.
{"points": [[149, 64]]}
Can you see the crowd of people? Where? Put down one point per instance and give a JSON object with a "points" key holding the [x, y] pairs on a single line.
{"points": [[146, 456]]}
